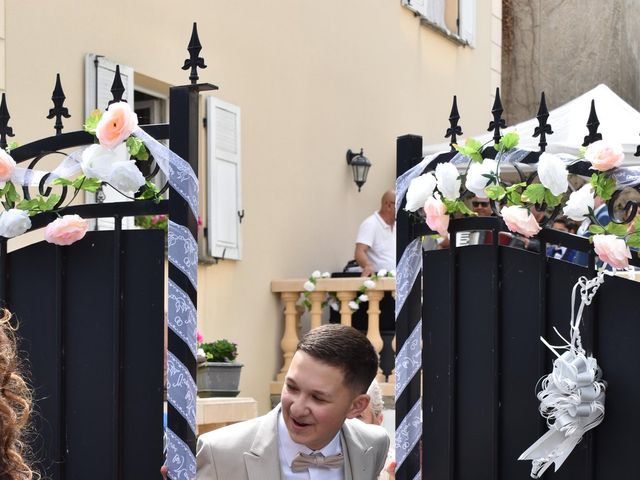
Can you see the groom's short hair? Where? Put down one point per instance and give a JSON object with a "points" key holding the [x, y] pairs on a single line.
{"points": [[346, 348]]}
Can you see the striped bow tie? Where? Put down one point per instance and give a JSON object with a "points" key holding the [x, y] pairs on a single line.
{"points": [[302, 461]]}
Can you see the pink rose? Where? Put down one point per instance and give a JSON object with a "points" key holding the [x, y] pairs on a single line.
{"points": [[437, 217], [116, 124], [7, 166], [519, 220], [604, 156], [66, 230], [199, 337], [612, 250]]}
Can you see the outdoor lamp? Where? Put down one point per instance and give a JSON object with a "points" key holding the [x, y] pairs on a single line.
{"points": [[360, 165]]}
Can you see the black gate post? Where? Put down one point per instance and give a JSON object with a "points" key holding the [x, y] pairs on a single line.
{"points": [[408, 154]]}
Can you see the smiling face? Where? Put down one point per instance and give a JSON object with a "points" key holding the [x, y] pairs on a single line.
{"points": [[315, 401]]}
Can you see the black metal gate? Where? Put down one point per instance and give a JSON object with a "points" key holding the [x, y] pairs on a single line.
{"points": [[92, 315], [485, 307]]}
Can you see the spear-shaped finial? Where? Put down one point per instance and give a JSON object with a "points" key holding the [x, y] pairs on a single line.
{"points": [[592, 125], [543, 129], [194, 61], [59, 110], [117, 88], [454, 130], [498, 122], [5, 129]]}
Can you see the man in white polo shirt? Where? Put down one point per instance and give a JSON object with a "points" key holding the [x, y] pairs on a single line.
{"points": [[376, 241]]}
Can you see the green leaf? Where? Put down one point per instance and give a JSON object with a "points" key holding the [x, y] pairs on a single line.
{"points": [[150, 191], [88, 184], [514, 198], [508, 141], [49, 203], [596, 229], [636, 224], [603, 185], [633, 240], [472, 149], [12, 146], [495, 192], [62, 181], [137, 149], [10, 193], [617, 229], [550, 199], [30, 205], [92, 122], [534, 193]]}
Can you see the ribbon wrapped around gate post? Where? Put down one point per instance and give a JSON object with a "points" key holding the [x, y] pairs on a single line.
{"points": [[572, 395]]}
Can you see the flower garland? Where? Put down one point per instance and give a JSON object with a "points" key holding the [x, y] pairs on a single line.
{"points": [[110, 161], [332, 299], [437, 195]]}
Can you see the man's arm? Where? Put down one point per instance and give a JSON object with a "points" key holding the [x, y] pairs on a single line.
{"points": [[363, 259]]}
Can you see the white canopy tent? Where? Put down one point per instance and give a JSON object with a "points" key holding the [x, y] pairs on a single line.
{"points": [[619, 122]]}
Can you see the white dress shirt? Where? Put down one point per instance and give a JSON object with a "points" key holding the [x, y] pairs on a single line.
{"points": [[288, 449]]}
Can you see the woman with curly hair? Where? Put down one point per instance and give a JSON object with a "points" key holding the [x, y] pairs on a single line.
{"points": [[15, 407]]}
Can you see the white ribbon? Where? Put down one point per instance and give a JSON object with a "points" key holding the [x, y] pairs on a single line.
{"points": [[572, 395]]}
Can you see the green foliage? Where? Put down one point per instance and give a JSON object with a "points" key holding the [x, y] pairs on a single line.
{"points": [[81, 183], [596, 229], [136, 149], [149, 191], [603, 185], [618, 229], [220, 351], [39, 204], [11, 146], [534, 193], [508, 141], [92, 122], [159, 222], [633, 240], [457, 206], [10, 194], [495, 192], [472, 148]]}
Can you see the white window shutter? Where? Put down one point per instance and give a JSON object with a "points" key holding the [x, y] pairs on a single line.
{"points": [[99, 74], [434, 12], [224, 208], [418, 6], [467, 21]]}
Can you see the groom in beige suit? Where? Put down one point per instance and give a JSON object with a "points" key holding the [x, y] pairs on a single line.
{"points": [[311, 435]]}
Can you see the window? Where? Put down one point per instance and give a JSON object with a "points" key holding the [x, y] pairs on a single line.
{"points": [[455, 19], [224, 207]]}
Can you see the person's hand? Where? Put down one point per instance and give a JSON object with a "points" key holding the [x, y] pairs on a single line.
{"points": [[367, 271], [391, 470], [164, 470]]}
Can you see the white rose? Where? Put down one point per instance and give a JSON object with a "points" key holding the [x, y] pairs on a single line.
{"points": [[363, 298], [382, 273], [309, 286], [553, 173], [392, 273], [326, 274], [14, 222], [126, 177], [476, 181], [369, 283], [448, 181], [579, 203], [353, 305], [97, 161], [419, 190], [335, 306], [316, 274]]}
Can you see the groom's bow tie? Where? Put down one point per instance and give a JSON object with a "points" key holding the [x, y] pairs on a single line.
{"points": [[302, 461]]}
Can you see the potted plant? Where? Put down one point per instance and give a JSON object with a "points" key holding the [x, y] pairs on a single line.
{"points": [[218, 372]]}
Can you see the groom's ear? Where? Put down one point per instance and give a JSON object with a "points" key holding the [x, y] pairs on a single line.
{"points": [[358, 405]]}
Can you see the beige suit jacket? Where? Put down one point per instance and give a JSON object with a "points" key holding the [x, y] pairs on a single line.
{"points": [[249, 450]]}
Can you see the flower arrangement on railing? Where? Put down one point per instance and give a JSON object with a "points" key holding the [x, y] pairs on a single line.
{"points": [[331, 299], [110, 161], [438, 195]]}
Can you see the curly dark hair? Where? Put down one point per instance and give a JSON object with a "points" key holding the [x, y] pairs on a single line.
{"points": [[15, 407]]}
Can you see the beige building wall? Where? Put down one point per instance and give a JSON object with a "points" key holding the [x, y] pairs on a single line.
{"points": [[312, 79]]}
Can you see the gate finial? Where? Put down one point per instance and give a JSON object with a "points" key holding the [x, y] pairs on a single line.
{"points": [[497, 122], [194, 61], [544, 128], [454, 130], [5, 129], [58, 109], [592, 124], [117, 88], [637, 154]]}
